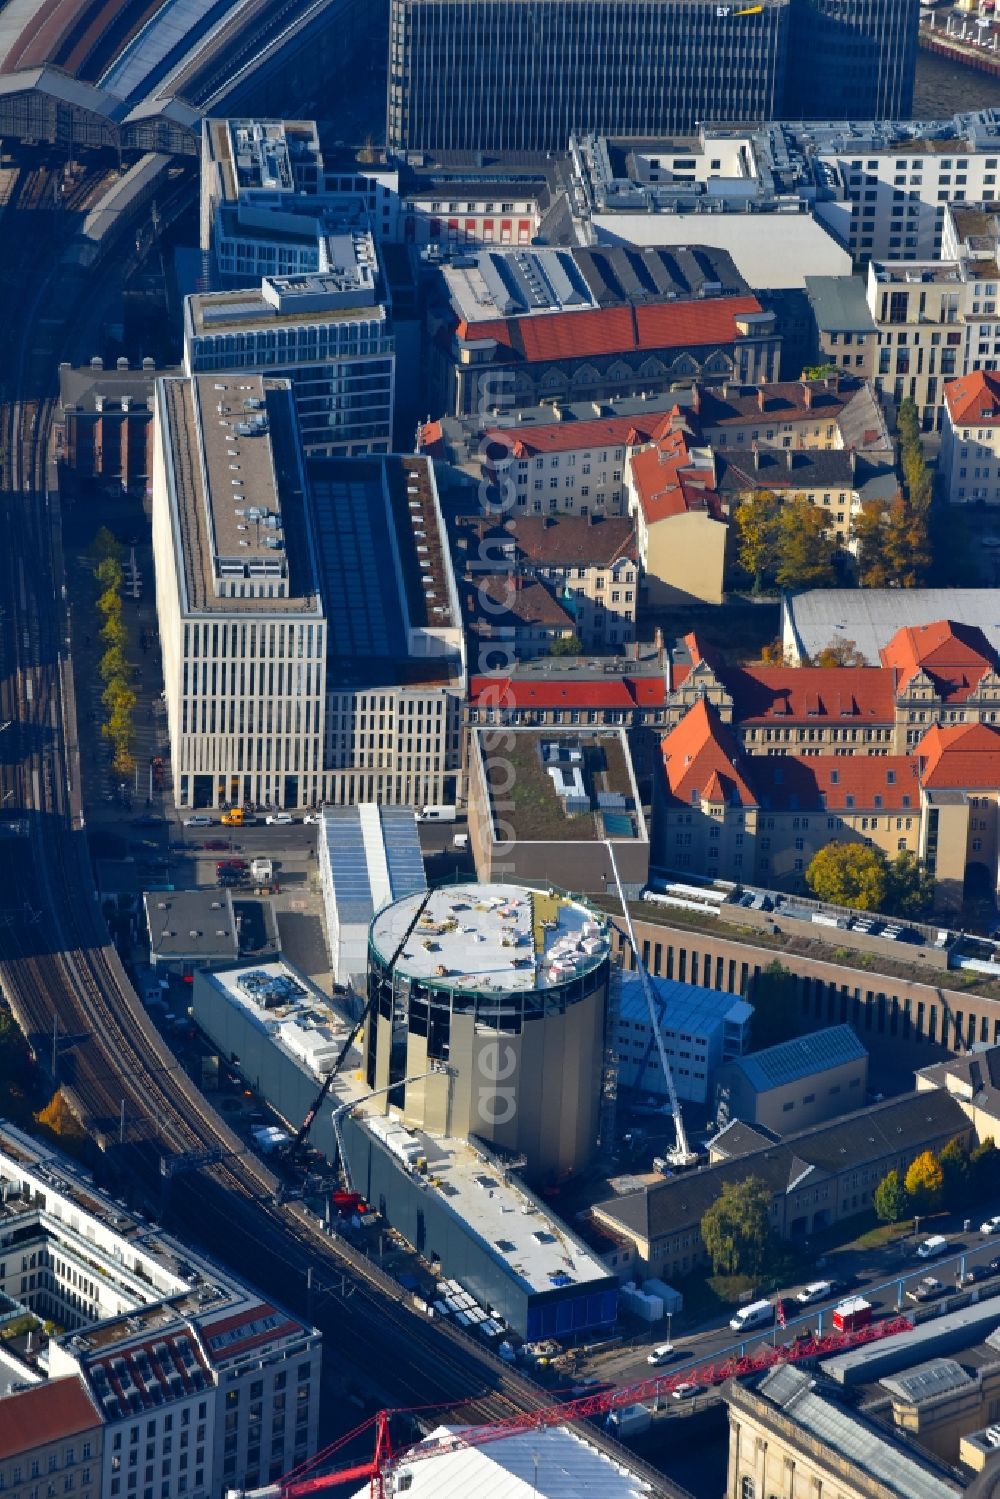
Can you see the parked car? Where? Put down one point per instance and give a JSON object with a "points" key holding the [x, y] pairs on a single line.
{"points": [[216, 844], [971, 1275], [687, 1390], [991, 1226], [819, 1290], [279, 818], [926, 1289], [199, 820], [311, 817]]}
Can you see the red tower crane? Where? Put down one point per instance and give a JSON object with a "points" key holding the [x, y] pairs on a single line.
{"points": [[303, 1481]]}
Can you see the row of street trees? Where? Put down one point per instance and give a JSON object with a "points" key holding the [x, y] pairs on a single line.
{"points": [[954, 1178], [118, 698]]}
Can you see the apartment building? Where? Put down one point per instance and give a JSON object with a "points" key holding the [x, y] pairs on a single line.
{"points": [[934, 321], [587, 563], [680, 525], [326, 332], [171, 1377], [969, 462], [513, 328], [51, 1435], [241, 615]]}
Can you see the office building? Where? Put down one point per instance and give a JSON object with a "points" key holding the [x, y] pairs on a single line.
{"points": [[368, 856], [544, 805], [542, 72], [509, 328], [293, 674], [816, 1177], [469, 963], [969, 461], [327, 332], [795, 1084], [241, 615], [395, 648], [168, 1367], [701, 1029], [448, 1194]]}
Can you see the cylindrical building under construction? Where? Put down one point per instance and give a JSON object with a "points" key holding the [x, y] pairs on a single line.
{"points": [[488, 1010]]}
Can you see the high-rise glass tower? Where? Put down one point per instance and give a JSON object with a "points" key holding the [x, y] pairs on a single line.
{"points": [[521, 75]]}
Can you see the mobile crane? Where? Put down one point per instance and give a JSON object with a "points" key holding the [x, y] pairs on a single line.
{"points": [[681, 1155]]}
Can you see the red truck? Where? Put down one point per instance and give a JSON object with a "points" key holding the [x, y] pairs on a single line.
{"points": [[851, 1316]]}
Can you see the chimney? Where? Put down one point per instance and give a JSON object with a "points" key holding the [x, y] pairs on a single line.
{"points": [[807, 395], [760, 398], [854, 461], [660, 649], [668, 674], [592, 519], [790, 457], [696, 399], [756, 453]]}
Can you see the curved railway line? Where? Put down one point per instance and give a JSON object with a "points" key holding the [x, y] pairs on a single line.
{"points": [[65, 984]]}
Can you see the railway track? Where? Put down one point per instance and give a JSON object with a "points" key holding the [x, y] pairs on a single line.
{"points": [[66, 986]]}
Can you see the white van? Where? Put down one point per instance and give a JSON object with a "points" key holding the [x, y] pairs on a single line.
{"points": [[757, 1314], [932, 1247], [444, 813], [661, 1354]]}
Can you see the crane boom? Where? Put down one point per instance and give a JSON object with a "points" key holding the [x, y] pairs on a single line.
{"points": [[305, 1481], [682, 1154], [331, 1076]]}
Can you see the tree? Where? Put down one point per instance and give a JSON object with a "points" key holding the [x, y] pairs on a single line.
{"points": [[109, 574], [104, 545], [818, 371], [850, 874], [924, 1182], [805, 550], [955, 1174], [114, 632], [566, 645], [110, 603], [117, 695], [984, 1170], [757, 516], [123, 763], [910, 890], [113, 663], [839, 653], [773, 654], [736, 1229], [892, 540], [890, 1199], [774, 994], [59, 1117]]}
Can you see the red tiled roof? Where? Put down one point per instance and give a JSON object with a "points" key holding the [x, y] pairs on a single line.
{"points": [[240, 1331], [580, 540], [963, 757], [567, 436], [667, 486], [610, 693], [955, 656], [600, 331], [862, 783], [974, 398], [48, 1412], [524, 601], [699, 755], [811, 694]]}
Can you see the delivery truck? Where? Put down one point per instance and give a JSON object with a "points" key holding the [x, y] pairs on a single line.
{"points": [[852, 1315]]}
